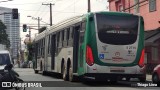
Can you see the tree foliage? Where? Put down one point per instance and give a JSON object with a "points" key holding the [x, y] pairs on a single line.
{"points": [[3, 36]]}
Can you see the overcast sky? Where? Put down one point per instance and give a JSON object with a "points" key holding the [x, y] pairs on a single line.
{"points": [[60, 11]]}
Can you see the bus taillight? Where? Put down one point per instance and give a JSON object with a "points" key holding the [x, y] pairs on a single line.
{"points": [[89, 56], [141, 61]]}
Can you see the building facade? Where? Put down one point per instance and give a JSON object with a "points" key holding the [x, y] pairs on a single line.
{"points": [[13, 30], [149, 10], [146, 8]]}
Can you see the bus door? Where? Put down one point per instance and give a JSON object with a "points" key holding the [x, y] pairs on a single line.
{"points": [[35, 54], [53, 49], [81, 48], [75, 47]]}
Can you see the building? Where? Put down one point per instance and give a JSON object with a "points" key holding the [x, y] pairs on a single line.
{"points": [[146, 8], [13, 29], [149, 10]]}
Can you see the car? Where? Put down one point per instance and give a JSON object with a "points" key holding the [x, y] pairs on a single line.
{"points": [[5, 58], [156, 75]]}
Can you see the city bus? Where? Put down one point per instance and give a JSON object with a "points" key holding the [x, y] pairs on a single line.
{"points": [[97, 45]]}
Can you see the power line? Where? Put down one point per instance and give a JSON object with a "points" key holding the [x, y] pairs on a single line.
{"points": [[38, 10], [48, 11], [24, 3]]}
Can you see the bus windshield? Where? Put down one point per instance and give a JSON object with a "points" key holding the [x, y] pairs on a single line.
{"points": [[117, 29], [4, 59]]}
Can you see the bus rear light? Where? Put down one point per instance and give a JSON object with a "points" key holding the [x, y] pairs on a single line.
{"points": [[141, 61], [89, 56]]}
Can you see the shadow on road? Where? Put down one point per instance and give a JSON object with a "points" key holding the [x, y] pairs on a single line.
{"points": [[92, 83]]}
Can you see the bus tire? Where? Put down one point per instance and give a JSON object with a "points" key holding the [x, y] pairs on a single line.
{"points": [[72, 78], [64, 74], [35, 71], [155, 78]]}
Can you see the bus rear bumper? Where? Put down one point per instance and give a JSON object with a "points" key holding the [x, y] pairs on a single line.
{"points": [[106, 76]]}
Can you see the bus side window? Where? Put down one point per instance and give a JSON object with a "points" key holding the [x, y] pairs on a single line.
{"points": [[67, 35], [65, 38], [82, 31], [60, 39], [57, 39], [49, 37], [70, 41], [42, 47], [38, 48], [72, 33]]}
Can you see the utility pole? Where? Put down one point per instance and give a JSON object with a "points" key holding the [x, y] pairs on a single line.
{"points": [[38, 19], [38, 24], [50, 4], [89, 6]]}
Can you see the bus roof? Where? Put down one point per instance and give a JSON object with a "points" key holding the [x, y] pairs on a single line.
{"points": [[59, 26], [71, 21]]}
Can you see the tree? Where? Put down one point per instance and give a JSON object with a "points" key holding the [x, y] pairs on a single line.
{"points": [[3, 36]]}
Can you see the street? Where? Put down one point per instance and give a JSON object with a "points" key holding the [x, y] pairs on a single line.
{"points": [[27, 74]]}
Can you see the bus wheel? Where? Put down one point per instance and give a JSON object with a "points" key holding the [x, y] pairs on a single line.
{"points": [[72, 78], [35, 71], [65, 77], [155, 78]]}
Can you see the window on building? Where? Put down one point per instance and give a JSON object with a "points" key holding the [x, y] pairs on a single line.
{"points": [[120, 8], [154, 53], [152, 5], [136, 9]]}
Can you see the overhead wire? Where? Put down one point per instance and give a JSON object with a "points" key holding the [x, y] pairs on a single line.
{"points": [[69, 6], [37, 12], [64, 1]]}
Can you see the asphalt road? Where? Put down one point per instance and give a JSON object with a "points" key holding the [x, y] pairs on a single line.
{"points": [[50, 82]]}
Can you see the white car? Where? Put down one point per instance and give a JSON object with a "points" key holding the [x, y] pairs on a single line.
{"points": [[5, 59]]}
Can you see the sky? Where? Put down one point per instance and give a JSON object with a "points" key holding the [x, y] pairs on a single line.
{"points": [[61, 10]]}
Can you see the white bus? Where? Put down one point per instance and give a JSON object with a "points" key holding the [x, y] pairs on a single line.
{"points": [[102, 45]]}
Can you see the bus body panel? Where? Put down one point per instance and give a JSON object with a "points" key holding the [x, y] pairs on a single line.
{"points": [[122, 59], [108, 58]]}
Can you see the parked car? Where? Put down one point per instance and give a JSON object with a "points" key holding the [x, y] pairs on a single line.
{"points": [[156, 75], [5, 58]]}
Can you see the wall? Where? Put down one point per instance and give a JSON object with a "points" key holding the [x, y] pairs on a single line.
{"points": [[151, 19]]}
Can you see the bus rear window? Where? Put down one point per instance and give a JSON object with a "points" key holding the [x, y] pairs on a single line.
{"points": [[117, 29]]}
